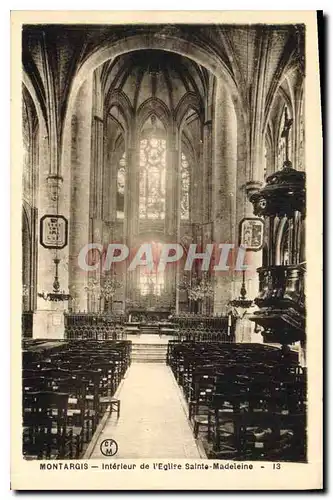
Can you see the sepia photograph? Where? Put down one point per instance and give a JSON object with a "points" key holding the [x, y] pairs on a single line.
{"points": [[164, 256]]}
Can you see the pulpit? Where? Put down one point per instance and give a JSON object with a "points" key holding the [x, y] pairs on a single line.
{"points": [[281, 298]]}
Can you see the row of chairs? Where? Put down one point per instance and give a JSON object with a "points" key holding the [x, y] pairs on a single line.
{"points": [[246, 401], [182, 355], [66, 393]]}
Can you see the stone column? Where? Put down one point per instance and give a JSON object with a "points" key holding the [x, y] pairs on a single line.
{"points": [[96, 194], [80, 191], [207, 171], [172, 214], [132, 195], [109, 174], [111, 170], [172, 211], [131, 215], [257, 109], [224, 187], [207, 186], [49, 318]]}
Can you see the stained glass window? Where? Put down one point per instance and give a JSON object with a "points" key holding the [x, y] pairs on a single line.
{"points": [[121, 175], [152, 178], [185, 188]]}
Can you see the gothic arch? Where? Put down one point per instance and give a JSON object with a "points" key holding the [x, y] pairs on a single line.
{"points": [[38, 100], [272, 94], [288, 99], [116, 121], [188, 145], [154, 106], [166, 42], [188, 101], [119, 98], [119, 143]]}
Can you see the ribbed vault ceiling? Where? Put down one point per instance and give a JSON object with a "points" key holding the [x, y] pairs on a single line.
{"points": [[154, 73]]}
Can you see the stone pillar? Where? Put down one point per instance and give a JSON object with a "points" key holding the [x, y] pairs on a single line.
{"points": [[80, 191], [172, 214], [206, 186], [111, 170], [224, 188], [207, 171], [96, 195], [172, 211], [96, 192], [257, 111], [131, 215], [132, 195], [48, 318]]}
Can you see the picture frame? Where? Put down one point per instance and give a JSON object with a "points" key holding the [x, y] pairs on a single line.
{"points": [[53, 231], [251, 233]]}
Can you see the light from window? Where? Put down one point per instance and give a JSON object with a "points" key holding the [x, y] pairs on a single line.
{"points": [[151, 283], [121, 176], [185, 189], [152, 178]]}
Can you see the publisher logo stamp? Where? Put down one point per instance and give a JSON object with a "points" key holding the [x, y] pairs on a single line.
{"points": [[109, 447]]}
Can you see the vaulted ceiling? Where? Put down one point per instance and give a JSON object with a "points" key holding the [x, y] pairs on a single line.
{"points": [[254, 58], [154, 73]]}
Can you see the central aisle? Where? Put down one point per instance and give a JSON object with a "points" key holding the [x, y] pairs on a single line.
{"points": [[152, 422]]}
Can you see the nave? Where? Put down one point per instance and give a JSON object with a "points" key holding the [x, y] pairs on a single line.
{"points": [[163, 241], [152, 422], [200, 399]]}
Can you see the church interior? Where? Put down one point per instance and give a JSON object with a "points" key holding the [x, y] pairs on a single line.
{"points": [[187, 135]]}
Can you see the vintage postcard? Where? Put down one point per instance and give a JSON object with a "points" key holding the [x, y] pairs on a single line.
{"points": [[167, 251]]}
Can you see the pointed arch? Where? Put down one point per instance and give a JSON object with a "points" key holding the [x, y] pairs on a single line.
{"points": [[188, 101], [153, 106], [119, 98]]}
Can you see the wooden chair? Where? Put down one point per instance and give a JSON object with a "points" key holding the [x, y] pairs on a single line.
{"points": [[75, 409], [91, 381], [224, 427], [45, 432]]}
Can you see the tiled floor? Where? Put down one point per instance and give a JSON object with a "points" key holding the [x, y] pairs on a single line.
{"points": [[152, 422]]}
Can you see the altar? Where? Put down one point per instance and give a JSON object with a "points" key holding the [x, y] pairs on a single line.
{"points": [[148, 316]]}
